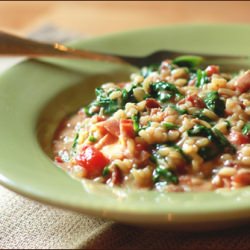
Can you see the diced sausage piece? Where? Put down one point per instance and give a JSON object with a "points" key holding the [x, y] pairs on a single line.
{"points": [[196, 101], [116, 176], [127, 128], [152, 103], [238, 138], [106, 140], [112, 126], [243, 82], [242, 178]]}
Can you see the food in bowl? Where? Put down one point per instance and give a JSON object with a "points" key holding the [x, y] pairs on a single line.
{"points": [[172, 127]]}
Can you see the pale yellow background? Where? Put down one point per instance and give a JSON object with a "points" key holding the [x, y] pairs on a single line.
{"points": [[97, 18]]}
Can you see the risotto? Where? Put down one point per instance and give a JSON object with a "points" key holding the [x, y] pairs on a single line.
{"points": [[172, 127]]}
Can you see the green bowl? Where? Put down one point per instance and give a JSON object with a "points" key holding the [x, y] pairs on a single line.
{"points": [[36, 95]]}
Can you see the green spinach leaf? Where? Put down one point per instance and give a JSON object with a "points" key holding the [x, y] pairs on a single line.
{"points": [[215, 103], [161, 174], [246, 129]]}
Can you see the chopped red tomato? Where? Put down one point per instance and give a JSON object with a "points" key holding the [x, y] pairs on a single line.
{"points": [[212, 69], [196, 101], [92, 160], [127, 128], [112, 126], [59, 159], [238, 138], [152, 103]]}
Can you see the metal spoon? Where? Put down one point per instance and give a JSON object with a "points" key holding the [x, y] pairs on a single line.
{"points": [[11, 45]]}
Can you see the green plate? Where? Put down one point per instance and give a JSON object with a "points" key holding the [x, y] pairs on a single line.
{"points": [[35, 95]]}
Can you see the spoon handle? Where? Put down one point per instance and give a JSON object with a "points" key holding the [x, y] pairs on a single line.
{"points": [[11, 45]]}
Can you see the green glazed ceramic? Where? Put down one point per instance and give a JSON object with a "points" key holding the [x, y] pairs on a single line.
{"points": [[36, 95]]}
